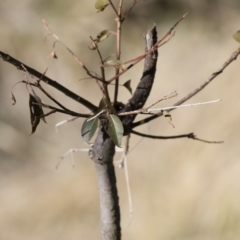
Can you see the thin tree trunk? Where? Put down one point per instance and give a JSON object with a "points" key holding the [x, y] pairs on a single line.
{"points": [[104, 148], [103, 153]]}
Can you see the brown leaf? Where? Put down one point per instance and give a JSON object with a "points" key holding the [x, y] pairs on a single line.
{"points": [[168, 116], [35, 111], [53, 55], [14, 99]]}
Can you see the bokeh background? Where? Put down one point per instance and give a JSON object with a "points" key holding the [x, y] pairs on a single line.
{"points": [[181, 189]]}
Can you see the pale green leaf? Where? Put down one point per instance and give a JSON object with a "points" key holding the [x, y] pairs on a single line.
{"points": [[115, 63], [115, 129], [105, 104], [103, 35], [236, 36], [100, 5], [89, 128]]}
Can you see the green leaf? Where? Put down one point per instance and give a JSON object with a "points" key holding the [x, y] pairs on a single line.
{"points": [[236, 36], [115, 129], [88, 129], [100, 38], [103, 35], [127, 85], [105, 104], [115, 63], [100, 5]]}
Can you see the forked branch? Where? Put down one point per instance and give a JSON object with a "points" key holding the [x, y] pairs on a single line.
{"points": [[21, 66]]}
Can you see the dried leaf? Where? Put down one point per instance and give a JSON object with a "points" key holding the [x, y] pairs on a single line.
{"points": [[168, 116], [14, 99], [35, 111], [127, 85], [53, 55]]}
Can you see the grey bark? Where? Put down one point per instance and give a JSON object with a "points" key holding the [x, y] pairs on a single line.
{"points": [[144, 87], [102, 154], [104, 149]]}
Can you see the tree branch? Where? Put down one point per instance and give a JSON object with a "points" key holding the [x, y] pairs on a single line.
{"points": [[233, 57], [68, 112], [189, 135], [19, 65], [145, 85], [157, 44]]}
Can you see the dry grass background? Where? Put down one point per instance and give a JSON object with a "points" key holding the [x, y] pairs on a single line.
{"points": [[181, 189]]}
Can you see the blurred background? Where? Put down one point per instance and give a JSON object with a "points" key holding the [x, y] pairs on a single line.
{"points": [[181, 189]]}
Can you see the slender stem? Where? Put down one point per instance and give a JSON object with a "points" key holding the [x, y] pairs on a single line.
{"points": [[68, 112], [19, 65], [158, 44], [189, 135], [104, 85], [79, 61], [113, 7], [118, 49], [130, 9]]}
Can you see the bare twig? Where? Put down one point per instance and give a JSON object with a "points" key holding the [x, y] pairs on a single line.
{"points": [[64, 122], [118, 48], [38, 85], [70, 51], [71, 151], [103, 88], [130, 9], [189, 135], [158, 44], [113, 7], [51, 33], [168, 96], [185, 105], [68, 112], [48, 114], [233, 57], [19, 65], [149, 111]]}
